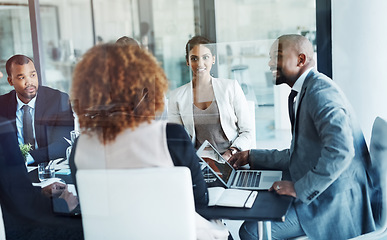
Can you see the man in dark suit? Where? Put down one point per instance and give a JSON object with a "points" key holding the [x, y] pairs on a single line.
{"points": [[49, 110], [27, 210], [327, 159]]}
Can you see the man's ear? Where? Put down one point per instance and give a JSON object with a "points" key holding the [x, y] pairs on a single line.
{"points": [[213, 59], [10, 81], [187, 62], [301, 60]]}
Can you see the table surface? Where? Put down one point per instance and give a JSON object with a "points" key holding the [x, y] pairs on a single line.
{"points": [[59, 164], [268, 206]]}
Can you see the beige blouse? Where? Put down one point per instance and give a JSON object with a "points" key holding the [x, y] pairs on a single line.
{"points": [[146, 146]]}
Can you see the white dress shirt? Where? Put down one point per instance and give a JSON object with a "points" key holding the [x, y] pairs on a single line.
{"points": [[19, 123]]}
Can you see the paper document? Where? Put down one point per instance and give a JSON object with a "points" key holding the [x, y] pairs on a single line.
{"points": [[230, 197]]}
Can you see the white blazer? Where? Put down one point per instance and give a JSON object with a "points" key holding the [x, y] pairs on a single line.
{"points": [[233, 111]]}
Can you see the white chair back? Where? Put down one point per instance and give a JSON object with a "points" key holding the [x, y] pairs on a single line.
{"points": [[147, 203], [378, 153]]}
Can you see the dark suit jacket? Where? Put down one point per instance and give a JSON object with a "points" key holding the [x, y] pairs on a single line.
{"points": [[327, 161], [27, 213], [53, 121]]}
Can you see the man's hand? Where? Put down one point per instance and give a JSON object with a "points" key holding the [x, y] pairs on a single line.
{"points": [[239, 159], [71, 200], [226, 155], [54, 189], [284, 188], [1, 74]]}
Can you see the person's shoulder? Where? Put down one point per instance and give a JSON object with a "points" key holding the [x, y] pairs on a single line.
{"points": [[52, 95], [51, 91], [224, 82], [7, 95], [317, 81], [175, 130], [180, 90]]}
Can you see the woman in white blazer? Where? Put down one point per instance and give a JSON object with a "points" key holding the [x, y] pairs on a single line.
{"points": [[210, 108]]}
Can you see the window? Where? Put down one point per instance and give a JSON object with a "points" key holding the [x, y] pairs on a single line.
{"points": [[15, 35]]}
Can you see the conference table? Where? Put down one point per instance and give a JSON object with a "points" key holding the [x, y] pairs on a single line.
{"points": [[268, 206]]}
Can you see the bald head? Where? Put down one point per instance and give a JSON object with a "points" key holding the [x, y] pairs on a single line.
{"points": [[290, 57], [299, 44]]}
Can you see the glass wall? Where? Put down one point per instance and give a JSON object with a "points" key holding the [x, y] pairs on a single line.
{"points": [[66, 34], [15, 35], [116, 18], [245, 30], [173, 27]]}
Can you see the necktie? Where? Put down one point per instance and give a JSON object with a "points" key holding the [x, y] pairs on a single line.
{"points": [[292, 95], [27, 127]]}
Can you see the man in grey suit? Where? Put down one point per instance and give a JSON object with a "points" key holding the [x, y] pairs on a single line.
{"points": [[327, 159]]}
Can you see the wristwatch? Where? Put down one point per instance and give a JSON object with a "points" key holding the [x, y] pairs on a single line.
{"points": [[233, 150]]}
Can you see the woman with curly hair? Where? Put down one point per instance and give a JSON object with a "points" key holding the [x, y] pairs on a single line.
{"points": [[117, 91]]}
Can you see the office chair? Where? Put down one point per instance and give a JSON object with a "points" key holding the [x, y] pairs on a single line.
{"points": [[147, 203], [378, 152]]}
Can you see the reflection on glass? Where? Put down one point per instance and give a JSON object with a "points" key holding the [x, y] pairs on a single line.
{"points": [[67, 34], [217, 163], [245, 30], [15, 35]]}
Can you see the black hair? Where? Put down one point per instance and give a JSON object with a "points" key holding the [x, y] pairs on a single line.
{"points": [[199, 40], [17, 59]]}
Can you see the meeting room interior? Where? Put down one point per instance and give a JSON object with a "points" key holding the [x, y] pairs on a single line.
{"points": [[158, 201]]}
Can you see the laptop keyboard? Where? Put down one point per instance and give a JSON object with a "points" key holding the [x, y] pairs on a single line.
{"points": [[248, 179]]}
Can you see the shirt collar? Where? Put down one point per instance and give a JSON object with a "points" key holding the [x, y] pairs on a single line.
{"points": [[31, 103], [300, 81]]}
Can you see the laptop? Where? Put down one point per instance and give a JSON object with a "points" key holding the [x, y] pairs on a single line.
{"points": [[231, 178]]}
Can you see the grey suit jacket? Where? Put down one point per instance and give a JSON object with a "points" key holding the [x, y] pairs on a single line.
{"points": [[53, 120], [327, 162]]}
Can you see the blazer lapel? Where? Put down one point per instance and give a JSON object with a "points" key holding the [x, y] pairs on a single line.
{"points": [[186, 112], [301, 97], [39, 112]]}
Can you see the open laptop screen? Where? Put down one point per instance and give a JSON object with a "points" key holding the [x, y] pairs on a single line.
{"points": [[213, 158]]}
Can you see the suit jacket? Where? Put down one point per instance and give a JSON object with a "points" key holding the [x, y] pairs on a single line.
{"points": [[233, 111], [26, 212], [53, 120], [327, 162]]}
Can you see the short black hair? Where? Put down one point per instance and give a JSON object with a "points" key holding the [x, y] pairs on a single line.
{"points": [[199, 40], [17, 59]]}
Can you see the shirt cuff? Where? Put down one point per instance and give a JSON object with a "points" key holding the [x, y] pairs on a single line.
{"points": [[30, 159]]}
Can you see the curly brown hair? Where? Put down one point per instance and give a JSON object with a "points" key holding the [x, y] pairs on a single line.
{"points": [[117, 87]]}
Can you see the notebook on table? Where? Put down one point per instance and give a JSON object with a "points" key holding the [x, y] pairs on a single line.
{"points": [[232, 178]]}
